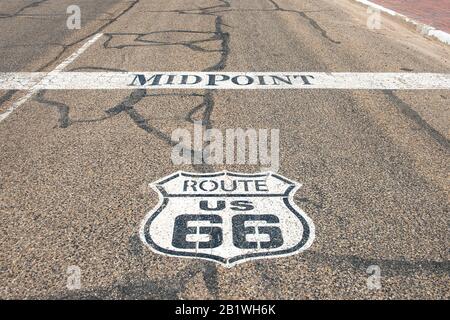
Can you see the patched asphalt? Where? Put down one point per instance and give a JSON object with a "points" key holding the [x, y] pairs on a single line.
{"points": [[75, 165]]}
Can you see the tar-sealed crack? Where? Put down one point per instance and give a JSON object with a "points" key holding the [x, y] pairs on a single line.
{"points": [[410, 113], [98, 30], [311, 21], [22, 9], [64, 47], [276, 8]]}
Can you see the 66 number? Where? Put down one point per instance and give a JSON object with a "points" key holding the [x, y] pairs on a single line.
{"points": [[241, 231]]}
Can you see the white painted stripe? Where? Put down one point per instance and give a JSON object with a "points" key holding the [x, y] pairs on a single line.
{"points": [[424, 28], [78, 53], [224, 80], [31, 81]]}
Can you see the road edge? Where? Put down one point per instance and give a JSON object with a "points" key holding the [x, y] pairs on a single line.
{"points": [[424, 29]]}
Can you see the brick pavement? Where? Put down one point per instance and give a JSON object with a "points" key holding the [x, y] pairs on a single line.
{"points": [[435, 13]]}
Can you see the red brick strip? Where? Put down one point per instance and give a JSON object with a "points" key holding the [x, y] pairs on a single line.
{"points": [[435, 13]]}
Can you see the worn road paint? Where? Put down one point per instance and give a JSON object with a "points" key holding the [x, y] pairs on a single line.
{"points": [[223, 80], [227, 217], [31, 81]]}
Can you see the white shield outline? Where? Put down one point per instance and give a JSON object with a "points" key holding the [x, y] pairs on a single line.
{"points": [[304, 243]]}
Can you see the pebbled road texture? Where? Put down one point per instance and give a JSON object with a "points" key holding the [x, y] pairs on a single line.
{"points": [[75, 165]]}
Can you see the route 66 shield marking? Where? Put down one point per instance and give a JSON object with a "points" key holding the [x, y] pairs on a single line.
{"points": [[227, 217]]}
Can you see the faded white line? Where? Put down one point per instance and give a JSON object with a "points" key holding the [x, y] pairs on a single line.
{"points": [[226, 81], [32, 81]]}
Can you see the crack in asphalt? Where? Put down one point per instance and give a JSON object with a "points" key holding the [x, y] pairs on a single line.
{"points": [[139, 40], [414, 116], [7, 96], [311, 21], [276, 8], [66, 47], [98, 30], [21, 10], [390, 267]]}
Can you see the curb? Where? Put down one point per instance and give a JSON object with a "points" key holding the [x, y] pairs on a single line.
{"points": [[424, 29]]}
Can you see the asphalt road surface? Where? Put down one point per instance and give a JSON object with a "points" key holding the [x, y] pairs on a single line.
{"points": [[75, 164]]}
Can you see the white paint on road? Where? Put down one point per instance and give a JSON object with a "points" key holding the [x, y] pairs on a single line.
{"points": [[227, 217], [224, 80], [32, 81], [76, 54]]}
